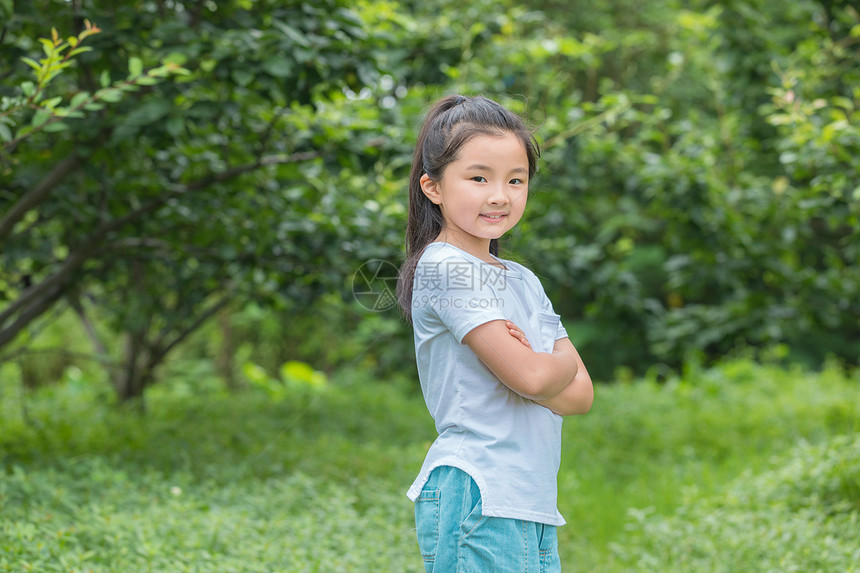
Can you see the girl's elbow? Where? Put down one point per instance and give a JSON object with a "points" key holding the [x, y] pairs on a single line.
{"points": [[579, 409], [583, 405], [585, 408], [553, 381], [589, 400]]}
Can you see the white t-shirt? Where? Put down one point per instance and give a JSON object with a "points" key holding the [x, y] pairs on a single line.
{"points": [[510, 445]]}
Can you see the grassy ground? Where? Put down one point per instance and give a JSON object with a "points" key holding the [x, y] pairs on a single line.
{"points": [[736, 468]]}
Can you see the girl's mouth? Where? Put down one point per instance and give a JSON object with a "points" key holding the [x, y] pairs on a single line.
{"points": [[493, 217]]}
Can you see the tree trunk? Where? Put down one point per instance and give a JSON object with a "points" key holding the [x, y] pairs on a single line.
{"points": [[131, 378], [224, 360]]}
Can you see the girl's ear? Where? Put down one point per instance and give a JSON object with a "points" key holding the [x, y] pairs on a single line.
{"points": [[431, 189]]}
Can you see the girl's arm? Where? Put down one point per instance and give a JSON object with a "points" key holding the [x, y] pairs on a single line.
{"points": [[577, 397], [539, 376]]}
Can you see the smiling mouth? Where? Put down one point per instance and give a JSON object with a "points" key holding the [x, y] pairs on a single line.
{"points": [[495, 217]]}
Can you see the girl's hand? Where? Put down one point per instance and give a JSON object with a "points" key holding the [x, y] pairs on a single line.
{"points": [[514, 330]]}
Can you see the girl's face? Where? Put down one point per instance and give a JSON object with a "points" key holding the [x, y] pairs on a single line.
{"points": [[483, 193]]}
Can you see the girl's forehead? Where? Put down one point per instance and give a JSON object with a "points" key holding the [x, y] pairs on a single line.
{"points": [[504, 147]]}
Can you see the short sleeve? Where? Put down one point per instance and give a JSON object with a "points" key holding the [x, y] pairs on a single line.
{"points": [[459, 293]]}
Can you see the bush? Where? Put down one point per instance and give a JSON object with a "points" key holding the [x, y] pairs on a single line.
{"points": [[800, 516]]}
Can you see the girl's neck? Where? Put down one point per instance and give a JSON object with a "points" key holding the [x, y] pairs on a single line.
{"points": [[476, 247]]}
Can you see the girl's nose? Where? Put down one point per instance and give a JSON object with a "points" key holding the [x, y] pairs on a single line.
{"points": [[498, 197]]}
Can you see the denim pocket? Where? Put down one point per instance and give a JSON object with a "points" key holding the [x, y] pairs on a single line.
{"points": [[548, 549], [427, 524], [475, 508]]}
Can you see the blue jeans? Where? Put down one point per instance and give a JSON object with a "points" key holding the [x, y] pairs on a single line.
{"points": [[453, 536]]}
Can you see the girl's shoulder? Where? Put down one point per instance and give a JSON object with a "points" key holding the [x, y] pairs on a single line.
{"points": [[438, 260], [437, 252]]}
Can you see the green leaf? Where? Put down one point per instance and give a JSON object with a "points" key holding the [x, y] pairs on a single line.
{"points": [[177, 58], [110, 95], [5, 133], [24, 132], [175, 125], [79, 98], [56, 126], [254, 373], [135, 66], [278, 67], [149, 112], [40, 118], [242, 77], [47, 79], [302, 373], [47, 47], [104, 79], [52, 103], [81, 50], [32, 63]]}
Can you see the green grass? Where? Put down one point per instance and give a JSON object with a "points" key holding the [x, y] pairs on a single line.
{"points": [[653, 449], [679, 476]]}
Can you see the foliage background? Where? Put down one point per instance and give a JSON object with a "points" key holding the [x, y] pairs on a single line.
{"points": [[698, 191], [190, 241]]}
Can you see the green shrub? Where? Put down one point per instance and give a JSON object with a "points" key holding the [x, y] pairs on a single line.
{"points": [[645, 443], [801, 516]]}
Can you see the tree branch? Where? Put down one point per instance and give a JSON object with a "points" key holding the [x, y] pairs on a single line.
{"points": [[48, 285], [38, 298], [92, 333], [37, 194], [31, 313], [160, 353], [281, 158], [61, 351]]}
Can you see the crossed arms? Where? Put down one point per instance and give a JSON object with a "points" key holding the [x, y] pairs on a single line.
{"points": [[558, 380]]}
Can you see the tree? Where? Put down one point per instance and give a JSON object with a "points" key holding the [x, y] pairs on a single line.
{"points": [[186, 195], [691, 200]]}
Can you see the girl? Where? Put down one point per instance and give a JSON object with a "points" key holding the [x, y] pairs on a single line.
{"points": [[497, 369]]}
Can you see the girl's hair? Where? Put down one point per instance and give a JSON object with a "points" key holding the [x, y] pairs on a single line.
{"points": [[451, 122]]}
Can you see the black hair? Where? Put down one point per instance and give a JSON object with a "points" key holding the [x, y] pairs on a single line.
{"points": [[450, 123]]}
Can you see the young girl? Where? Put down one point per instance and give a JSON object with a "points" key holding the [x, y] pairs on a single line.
{"points": [[497, 369]]}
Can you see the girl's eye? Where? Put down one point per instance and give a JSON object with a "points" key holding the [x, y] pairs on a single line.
{"points": [[479, 179], [517, 181]]}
